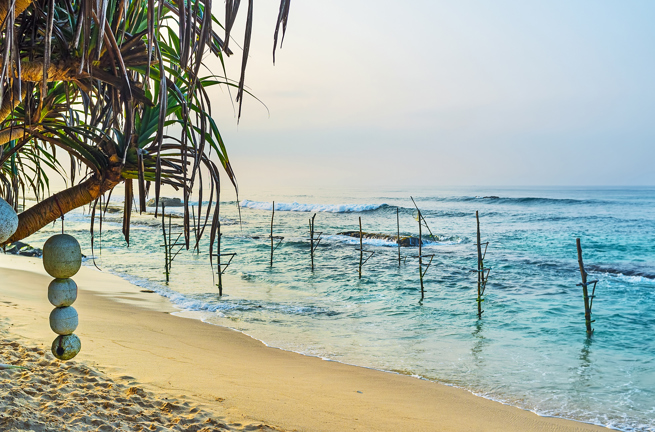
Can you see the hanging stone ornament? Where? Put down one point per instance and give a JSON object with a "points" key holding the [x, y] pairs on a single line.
{"points": [[8, 221], [66, 347], [63, 320], [62, 258], [62, 292]]}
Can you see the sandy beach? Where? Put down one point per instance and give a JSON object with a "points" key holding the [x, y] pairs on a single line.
{"points": [[142, 368]]}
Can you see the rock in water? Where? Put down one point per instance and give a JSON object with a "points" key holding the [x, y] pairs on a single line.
{"points": [[66, 347], [62, 256], [23, 249], [404, 241], [62, 292], [63, 320], [168, 202], [8, 221]]}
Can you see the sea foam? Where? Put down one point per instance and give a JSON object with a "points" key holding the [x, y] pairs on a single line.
{"points": [[300, 207]]}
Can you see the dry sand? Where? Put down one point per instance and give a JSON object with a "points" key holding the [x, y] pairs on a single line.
{"points": [[183, 372], [57, 396]]}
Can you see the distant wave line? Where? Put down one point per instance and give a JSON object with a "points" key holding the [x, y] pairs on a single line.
{"points": [[491, 199], [300, 207]]}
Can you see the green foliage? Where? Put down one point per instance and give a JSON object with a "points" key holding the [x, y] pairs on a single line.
{"points": [[104, 82]]}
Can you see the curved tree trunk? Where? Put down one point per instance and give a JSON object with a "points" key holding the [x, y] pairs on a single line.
{"points": [[52, 208], [13, 133], [10, 100]]}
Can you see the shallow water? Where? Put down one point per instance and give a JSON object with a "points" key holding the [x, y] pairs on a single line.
{"points": [[529, 350]]}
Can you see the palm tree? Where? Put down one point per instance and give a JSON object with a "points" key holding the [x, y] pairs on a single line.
{"points": [[101, 81]]}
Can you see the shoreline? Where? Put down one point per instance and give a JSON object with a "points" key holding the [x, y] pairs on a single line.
{"points": [[240, 376]]}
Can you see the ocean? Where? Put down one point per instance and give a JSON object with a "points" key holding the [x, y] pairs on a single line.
{"points": [[529, 350]]}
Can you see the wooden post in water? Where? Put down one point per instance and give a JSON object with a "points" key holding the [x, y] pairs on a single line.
{"points": [[422, 220], [222, 267], [311, 239], [420, 253], [398, 240], [196, 228], [361, 248], [218, 260], [480, 267], [312, 246], [272, 217], [169, 243], [163, 230], [588, 300]]}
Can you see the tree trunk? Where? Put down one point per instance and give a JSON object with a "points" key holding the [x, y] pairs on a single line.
{"points": [[10, 100], [52, 208], [32, 71]]}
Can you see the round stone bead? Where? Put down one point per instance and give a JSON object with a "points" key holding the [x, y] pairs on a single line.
{"points": [[8, 221], [66, 347], [62, 292], [62, 256], [63, 320]]}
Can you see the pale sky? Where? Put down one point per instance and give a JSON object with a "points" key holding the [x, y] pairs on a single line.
{"points": [[466, 92]]}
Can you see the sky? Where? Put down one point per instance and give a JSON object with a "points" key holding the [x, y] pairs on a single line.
{"points": [[443, 93]]}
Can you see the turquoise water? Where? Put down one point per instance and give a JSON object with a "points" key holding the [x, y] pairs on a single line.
{"points": [[529, 350]]}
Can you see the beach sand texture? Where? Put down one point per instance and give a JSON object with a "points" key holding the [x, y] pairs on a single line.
{"points": [[58, 396], [188, 372]]}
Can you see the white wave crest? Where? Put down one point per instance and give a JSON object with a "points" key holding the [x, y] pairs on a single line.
{"points": [[299, 207], [355, 240], [387, 242]]}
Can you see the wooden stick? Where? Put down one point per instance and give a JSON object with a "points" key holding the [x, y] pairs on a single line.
{"points": [[218, 241], [272, 217], [420, 253], [398, 224], [218, 259], [585, 292], [311, 242], [195, 229], [163, 229], [311, 239], [170, 243], [420, 216], [480, 267], [361, 248], [100, 233]]}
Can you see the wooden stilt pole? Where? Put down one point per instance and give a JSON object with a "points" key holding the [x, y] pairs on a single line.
{"points": [[272, 217], [398, 240], [361, 248], [163, 230], [222, 267], [195, 229], [420, 253], [170, 245], [218, 259], [311, 239], [100, 240], [480, 267], [585, 292]]}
